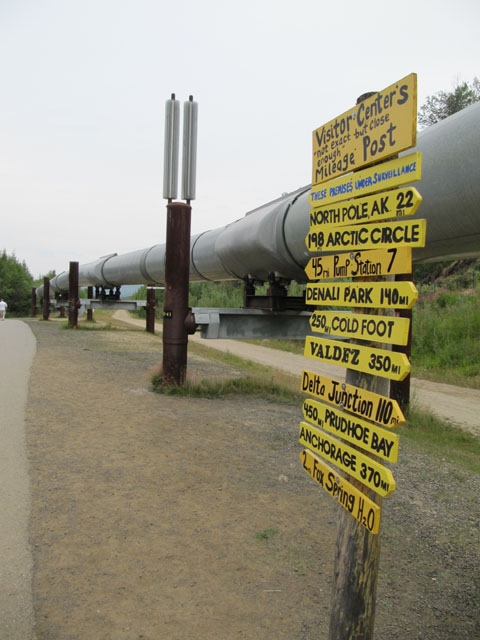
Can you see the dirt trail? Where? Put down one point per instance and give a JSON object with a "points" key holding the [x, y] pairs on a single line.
{"points": [[458, 405], [161, 518]]}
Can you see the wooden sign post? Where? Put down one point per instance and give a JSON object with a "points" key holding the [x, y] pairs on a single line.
{"points": [[357, 217]]}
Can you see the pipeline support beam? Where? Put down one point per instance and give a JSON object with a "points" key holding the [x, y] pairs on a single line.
{"points": [[73, 302], [150, 310], [175, 309], [90, 310], [34, 302], [46, 298]]}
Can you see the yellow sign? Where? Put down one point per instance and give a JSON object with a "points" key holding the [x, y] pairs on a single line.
{"points": [[365, 404], [376, 128], [403, 233], [379, 207], [388, 329], [386, 364], [349, 497], [377, 295], [377, 262], [367, 470], [393, 173], [365, 435]]}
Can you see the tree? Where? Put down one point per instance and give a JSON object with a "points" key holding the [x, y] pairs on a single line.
{"points": [[443, 104], [15, 284]]}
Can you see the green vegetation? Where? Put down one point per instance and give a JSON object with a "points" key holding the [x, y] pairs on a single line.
{"points": [[224, 295], [266, 534], [250, 379], [216, 294], [248, 368], [39, 281], [442, 439], [218, 388], [445, 103], [16, 285], [90, 326], [291, 345], [228, 294], [446, 338]]}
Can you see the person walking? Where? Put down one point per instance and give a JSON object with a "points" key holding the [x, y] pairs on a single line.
{"points": [[3, 309]]}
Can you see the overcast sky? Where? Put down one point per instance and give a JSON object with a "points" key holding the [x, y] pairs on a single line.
{"points": [[83, 86]]}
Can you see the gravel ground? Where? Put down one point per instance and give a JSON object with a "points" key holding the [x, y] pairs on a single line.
{"points": [[158, 517]]}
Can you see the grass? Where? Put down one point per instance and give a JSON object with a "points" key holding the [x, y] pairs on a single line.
{"points": [[266, 534], [219, 388], [90, 326], [446, 339], [442, 439], [249, 368], [291, 346]]}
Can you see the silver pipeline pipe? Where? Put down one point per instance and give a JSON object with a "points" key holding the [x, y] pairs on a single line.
{"points": [[271, 238]]}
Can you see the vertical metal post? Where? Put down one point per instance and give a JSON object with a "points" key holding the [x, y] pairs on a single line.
{"points": [[73, 302], [189, 156], [90, 311], [170, 158], [46, 298], [150, 310], [34, 302], [177, 247], [175, 309], [62, 311]]}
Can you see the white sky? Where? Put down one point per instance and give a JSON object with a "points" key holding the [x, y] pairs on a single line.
{"points": [[83, 85]]}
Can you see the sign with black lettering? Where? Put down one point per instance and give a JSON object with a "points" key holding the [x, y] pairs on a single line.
{"points": [[366, 404], [360, 264], [386, 364], [379, 127], [349, 497], [365, 435], [409, 233], [377, 208], [394, 173], [387, 329], [377, 295], [357, 464]]}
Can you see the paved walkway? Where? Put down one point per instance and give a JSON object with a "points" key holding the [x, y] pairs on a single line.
{"points": [[458, 405], [17, 348]]}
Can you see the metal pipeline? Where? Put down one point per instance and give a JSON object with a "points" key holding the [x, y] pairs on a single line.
{"points": [[271, 238]]}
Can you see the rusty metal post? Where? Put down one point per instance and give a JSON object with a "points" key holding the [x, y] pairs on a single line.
{"points": [[175, 308], [73, 302], [150, 310], [34, 302], [90, 311], [46, 298], [62, 311]]}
